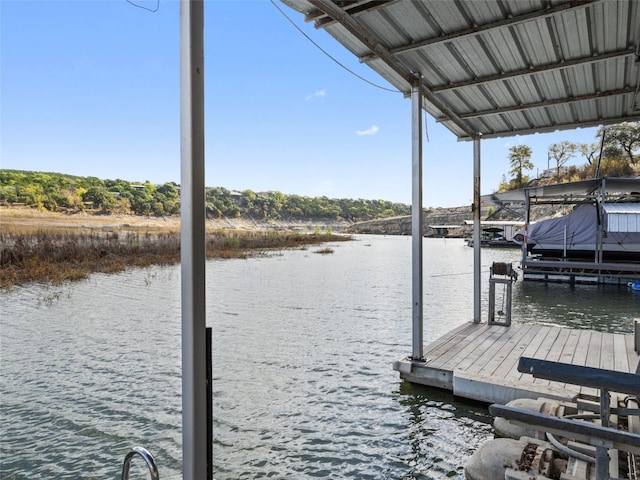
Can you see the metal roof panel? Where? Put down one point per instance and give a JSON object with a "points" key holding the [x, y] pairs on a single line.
{"points": [[622, 208], [498, 67]]}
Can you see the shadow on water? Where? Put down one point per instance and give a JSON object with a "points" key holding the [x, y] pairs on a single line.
{"points": [[441, 431]]}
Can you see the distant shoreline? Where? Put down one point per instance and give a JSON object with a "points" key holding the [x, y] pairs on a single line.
{"points": [[33, 218], [47, 247]]}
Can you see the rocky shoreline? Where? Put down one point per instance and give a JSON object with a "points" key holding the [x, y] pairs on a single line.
{"points": [[402, 225], [447, 216]]}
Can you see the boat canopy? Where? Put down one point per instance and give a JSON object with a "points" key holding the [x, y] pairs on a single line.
{"points": [[579, 231]]}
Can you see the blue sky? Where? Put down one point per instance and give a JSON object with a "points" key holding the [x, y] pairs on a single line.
{"points": [[91, 88]]}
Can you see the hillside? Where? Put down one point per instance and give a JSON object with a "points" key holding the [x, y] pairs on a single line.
{"points": [[56, 192]]}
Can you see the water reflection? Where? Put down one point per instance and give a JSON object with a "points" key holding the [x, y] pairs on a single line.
{"points": [[607, 308]]}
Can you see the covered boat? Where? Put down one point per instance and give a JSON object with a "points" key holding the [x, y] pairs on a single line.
{"points": [[576, 235]]}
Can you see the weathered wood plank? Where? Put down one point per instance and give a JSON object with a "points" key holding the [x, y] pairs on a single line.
{"points": [[620, 357], [508, 367], [553, 354], [483, 351], [543, 348], [509, 342], [580, 354], [557, 346], [606, 352], [592, 358], [467, 346], [452, 335], [593, 350], [631, 354], [538, 335], [442, 350], [570, 346]]}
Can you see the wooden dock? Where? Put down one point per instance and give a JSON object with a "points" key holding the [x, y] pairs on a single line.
{"points": [[479, 361], [573, 271]]}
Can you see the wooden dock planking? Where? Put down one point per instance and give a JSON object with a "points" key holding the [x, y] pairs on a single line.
{"points": [[539, 336], [553, 351], [509, 367], [508, 351], [621, 359], [479, 361], [461, 345], [440, 349], [631, 354]]}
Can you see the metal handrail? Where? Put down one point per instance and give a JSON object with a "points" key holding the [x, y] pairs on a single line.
{"points": [[151, 463]]}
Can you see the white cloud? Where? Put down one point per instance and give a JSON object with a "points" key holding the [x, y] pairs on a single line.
{"points": [[372, 130], [319, 94]]}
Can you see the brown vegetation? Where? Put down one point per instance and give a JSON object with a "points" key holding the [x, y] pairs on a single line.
{"points": [[35, 248]]}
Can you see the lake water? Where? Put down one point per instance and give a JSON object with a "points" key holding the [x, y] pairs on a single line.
{"points": [[302, 351]]}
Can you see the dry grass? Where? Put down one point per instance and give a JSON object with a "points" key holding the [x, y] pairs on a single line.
{"points": [[54, 248]]}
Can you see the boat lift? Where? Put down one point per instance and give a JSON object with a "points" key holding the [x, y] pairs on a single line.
{"points": [[504, 274]]}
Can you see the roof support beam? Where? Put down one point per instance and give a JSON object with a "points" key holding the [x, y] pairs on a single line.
{"points": [[483, 28], [555, 127], [321, 20], [533, 70], [545, 103], [361, 33]]}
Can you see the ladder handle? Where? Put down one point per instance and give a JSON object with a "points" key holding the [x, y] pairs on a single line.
{"points": [[151, 463]]}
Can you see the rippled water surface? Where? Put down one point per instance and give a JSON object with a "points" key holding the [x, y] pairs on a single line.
{"points": [[303, 345]]}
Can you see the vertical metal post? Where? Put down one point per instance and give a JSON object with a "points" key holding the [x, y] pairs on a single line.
{"points": [[192, 241], [477, 274], [209, 403], [417, 219], [601, 220], [602, 453], [527, 207]]}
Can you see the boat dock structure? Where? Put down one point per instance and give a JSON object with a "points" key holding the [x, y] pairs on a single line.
{"points": [[483, 70], [596, 242], [479, 361]]}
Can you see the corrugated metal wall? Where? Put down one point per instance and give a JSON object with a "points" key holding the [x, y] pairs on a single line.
{"points": [[623, 217]]}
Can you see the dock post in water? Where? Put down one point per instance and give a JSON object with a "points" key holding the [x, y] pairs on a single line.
{"points": [[417, 220], [192, 241], [477, 277]]}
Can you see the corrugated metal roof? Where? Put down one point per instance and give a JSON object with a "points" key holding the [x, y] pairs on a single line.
{"points": [[498, 67], [497, 223], [622, 208]]}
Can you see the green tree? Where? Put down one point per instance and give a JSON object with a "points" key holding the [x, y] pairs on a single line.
{"points": [[519, 159], [562, 152], [101, 198], [624, 137], [590, 151]]}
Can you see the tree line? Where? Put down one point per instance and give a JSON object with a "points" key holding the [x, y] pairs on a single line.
{"points": [[67, 193], [613, 154]]}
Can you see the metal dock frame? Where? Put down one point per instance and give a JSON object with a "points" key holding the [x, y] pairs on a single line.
{"points": [[603, 437]]}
